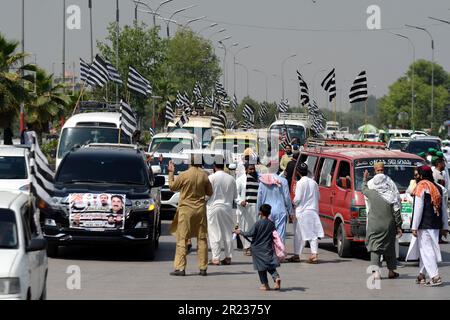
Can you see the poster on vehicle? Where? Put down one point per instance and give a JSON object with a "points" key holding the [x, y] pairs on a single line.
{"points": [[97, 211], [406, 211]]}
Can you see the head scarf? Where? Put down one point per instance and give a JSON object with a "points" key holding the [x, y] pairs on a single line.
{"points": [[426, 184], [387, 189]]}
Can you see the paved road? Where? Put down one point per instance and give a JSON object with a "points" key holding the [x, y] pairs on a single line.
{"points": [[109, 273]]}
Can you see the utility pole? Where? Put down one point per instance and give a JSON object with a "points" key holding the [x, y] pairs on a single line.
{"points": [[90, 20], [117, 47]]}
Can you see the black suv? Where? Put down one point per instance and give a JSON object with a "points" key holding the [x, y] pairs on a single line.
{"points": [[104, 194]]}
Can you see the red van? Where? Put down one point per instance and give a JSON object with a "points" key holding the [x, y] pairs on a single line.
{"points": [[339, 174]]}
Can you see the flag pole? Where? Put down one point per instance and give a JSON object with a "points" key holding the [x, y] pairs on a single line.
{"points": [[365, 115], [79, 97], [334, 100]]}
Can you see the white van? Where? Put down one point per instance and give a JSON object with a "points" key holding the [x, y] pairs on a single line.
{"points": [[172, 142], [23, 257], [92, 127]]}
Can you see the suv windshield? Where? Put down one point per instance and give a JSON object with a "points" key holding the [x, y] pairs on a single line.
{"points": [[397, 144], [418, 146], [92, 168], [400, 170], [85, 135], [170, 145], [180, 165], [13, 168], [8, 229]]}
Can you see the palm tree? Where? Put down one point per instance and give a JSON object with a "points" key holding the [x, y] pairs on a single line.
{"points": [[12, 91], [47, 102]]}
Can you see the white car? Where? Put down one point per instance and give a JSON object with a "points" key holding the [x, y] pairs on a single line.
{"points": [[14, 168], [23, 257]]}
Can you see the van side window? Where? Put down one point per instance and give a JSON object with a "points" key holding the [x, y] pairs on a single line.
{"points": [[311, 161], [326, 174], [343, 177], [26, 224]]}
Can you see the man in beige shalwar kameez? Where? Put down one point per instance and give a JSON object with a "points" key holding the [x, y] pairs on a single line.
{"points": [[190, 220]]}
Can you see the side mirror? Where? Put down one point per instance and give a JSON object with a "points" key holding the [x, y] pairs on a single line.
{"points": [[232, 166], [37, 245], [159, 182], [156, 170]]}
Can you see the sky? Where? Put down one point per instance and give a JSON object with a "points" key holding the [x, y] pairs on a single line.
{"points": [[327, 33]]}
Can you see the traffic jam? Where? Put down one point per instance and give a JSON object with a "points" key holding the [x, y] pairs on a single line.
{"points": [[108, 188]]}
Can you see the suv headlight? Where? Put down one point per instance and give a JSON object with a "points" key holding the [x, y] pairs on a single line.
{"points": [[9, 285]]}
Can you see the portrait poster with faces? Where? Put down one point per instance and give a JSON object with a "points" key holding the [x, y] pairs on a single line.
{"points": [[97, 211]]}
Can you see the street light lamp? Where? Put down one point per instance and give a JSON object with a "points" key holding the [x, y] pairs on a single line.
{"points": [[303, 65], [218, 31], [282, 73], [193, 20], [246, 69], [412, 76], [173, 14], [432, 70], [212, 25], [266, 78], [234, 66], [440, 20]]}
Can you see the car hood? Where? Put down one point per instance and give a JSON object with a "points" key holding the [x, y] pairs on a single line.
{"points": [[7, 259], [130, 190], [13, 184]]}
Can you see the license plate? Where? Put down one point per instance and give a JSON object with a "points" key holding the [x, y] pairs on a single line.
{"points": [[93, 224]]}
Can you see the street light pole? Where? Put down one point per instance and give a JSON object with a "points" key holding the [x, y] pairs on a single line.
{"points": [[22, 106], [432, 70], [282, 74], [246, 69], [64, 44], [234, 67], [266, 80], [412, 76], [156, 11], [193, 20], [136, 2], [90, 29], [173, 14], [117, 47], [212, 25]]}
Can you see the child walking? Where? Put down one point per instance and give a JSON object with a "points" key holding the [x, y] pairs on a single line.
{"points": [[263, 255]]}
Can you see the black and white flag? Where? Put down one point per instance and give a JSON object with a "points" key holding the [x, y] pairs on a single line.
{"points": [[247, 124], [113, 73], [234, 103], [84, 70], [283, 106], [220, 90], [183, 120], [137, 83], [262, 113], [98, 73], [329, 84], [197, 93], [358, 91], [248, 112], [152, 132], [304, 92], [169, 115], [42, 176], [313, 109], [231, 124], [218, 123], [128, 121]]}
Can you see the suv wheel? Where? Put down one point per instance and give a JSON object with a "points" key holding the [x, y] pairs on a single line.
{"points": [[343, 244], [52, 250]]}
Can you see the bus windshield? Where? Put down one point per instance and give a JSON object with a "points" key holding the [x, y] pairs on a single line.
{"points": [[170, 145], [293, 131], [71, 137]]}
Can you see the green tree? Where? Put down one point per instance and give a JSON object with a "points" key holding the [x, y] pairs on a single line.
{"points": [[12, 91], [190, 58], [398, 100], [47, 102]]}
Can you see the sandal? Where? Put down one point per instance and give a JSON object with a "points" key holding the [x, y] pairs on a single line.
{"points": [[264, 287], [421, 279], [293, 259], [248, 252], [396, 275], [314, 260], [434, 282], [277, 284], [214, 262], [226, 262]]}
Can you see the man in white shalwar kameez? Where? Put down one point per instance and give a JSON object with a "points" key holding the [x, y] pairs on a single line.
{"points": [[429, 217], [307, 225], [219, 213], [246, 212]]}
